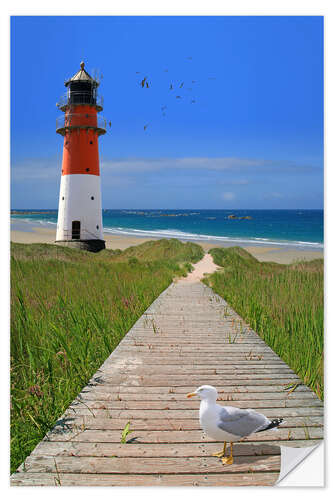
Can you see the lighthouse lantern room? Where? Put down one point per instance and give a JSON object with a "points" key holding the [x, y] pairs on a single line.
{"points": [[80, 206]]}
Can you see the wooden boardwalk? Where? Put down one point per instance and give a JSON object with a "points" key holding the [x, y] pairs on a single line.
{"points": [[188, 337]]}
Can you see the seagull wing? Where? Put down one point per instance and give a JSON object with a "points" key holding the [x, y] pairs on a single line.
{"points": [[240, 422]]}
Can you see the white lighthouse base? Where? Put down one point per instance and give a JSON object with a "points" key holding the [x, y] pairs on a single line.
{"points": [[80, 212]]}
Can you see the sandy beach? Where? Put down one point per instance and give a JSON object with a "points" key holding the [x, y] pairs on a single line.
{"points": [[262, 253]]}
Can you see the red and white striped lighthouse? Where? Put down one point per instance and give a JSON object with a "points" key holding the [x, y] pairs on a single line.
{"points": [[80, 205]]}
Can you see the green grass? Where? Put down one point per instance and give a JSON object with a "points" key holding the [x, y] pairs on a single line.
{"points": [[283, 303], [69, 310]]}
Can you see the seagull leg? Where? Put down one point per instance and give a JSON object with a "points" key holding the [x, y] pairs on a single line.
{"points": [[221, 453], [228, 460]]}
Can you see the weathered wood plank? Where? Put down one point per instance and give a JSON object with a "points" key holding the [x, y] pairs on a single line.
{"points": [[107, 420], [51, 479], [161, 383], [184, 414], [175, 436], [181, 391], [52, 448], [176, 401], [156, 465]]}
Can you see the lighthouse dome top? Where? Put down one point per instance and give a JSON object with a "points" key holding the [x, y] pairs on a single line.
{"points": [[82, 76]]}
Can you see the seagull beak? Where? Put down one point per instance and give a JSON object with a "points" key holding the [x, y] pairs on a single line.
{"points": [[191, 394]]}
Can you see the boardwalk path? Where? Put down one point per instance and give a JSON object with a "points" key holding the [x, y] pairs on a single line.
{"points": [[188, 337]]}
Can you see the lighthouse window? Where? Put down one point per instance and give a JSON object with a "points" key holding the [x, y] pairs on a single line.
{"points": [[92, 198], [91, 142], [87, 169], [97, 227], [63, 198]]}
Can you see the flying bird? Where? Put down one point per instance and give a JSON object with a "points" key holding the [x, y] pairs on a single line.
{"points": [[181, 85], [145, 126], [193, 101], [147, 85], [171, 87], [143, 82], [163, 108], [228, 423], [178, 97], [110, 124]]}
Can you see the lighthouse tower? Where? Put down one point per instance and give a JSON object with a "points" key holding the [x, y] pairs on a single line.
{"points": [[80, 206]]}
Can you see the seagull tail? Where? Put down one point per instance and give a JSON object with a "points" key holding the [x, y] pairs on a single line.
{"points": [[272, 425]]}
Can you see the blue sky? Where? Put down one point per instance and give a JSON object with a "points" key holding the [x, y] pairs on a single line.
{"points": [[253, 138]]}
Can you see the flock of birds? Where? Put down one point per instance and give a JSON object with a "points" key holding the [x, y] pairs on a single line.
{"points": [[145, 83]]}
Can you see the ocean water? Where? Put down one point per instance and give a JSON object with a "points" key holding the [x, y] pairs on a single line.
{"points": [[286, 228]]}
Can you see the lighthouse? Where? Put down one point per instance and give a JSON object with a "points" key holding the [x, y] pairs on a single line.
{"points": [[80, 206]]}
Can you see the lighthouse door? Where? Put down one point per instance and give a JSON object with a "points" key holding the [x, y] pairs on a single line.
{"points": [[76, 229]]}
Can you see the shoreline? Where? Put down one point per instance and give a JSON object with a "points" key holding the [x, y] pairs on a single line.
{"points": [[28, 233]]}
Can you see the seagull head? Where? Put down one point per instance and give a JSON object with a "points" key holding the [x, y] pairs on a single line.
{"points": [[205, 392]]}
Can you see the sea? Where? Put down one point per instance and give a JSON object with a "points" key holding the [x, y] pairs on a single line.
{"points": [[303, 229]]}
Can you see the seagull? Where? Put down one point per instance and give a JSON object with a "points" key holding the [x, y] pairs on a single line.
{"points": [[171, 87], [147, 85], [228, 423], [143, 82], [181, 85], [145, 126], [110, 124]]}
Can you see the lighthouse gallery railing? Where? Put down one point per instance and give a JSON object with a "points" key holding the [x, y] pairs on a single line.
{"points": [[80, 97], [80, 121]]}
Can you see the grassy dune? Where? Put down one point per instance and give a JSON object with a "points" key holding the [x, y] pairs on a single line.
{"points": [[283, 303], [69, 310]]}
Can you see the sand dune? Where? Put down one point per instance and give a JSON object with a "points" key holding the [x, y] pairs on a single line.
{"points": [[262, 253]]}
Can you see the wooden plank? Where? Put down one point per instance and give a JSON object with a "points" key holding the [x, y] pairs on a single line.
{"points": [[87, 406], [52, 448], [174, 436], [177, 400], [51, 479], [109, 420], [198, 371], [156, 465], [181, 391], [185, 414]]}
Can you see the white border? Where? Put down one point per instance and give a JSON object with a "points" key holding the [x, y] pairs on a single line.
{"points": [[145, 7]]}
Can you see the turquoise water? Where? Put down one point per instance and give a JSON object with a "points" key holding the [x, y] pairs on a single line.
{"points": [[293, 228]]}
